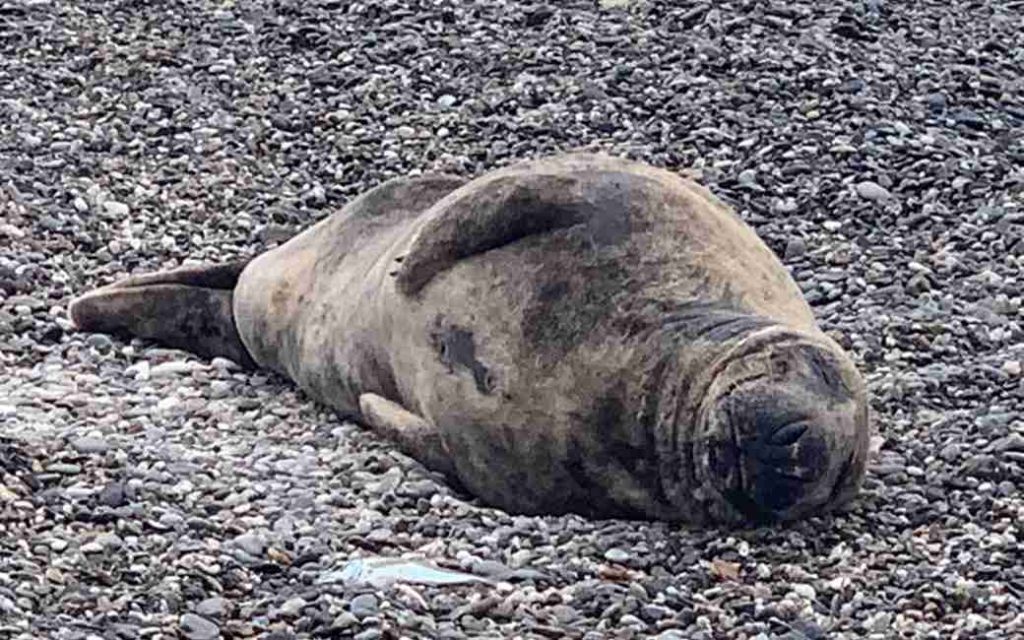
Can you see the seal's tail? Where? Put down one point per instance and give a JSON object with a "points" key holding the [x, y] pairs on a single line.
{"points": [[188, 308]]}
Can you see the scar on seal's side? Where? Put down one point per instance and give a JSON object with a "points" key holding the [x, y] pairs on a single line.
{"points": [[574, 334]]}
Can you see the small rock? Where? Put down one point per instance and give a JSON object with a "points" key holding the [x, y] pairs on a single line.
{"points": [[113, 495], [100, 342], [11, 231], [139, 371], [214, 607], [872, 191], [936, 102], [747, 177], [65, 468], [167, 369], [220, 389], [344, 621], [293, 607], [617, 555], [1012, 442], [363, 605], [224, 364], [196, 627], [89, 444], [251, 543], [795, 248], [1012, 368], [115, 209]]}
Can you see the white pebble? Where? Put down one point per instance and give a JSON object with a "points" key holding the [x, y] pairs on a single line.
{"points": [[167, 369], [115, 208], [1012, 368], [872, 191], [139, 371]]}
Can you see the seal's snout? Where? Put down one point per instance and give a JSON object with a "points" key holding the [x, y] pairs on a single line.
{"points": [[788, 439], [772, 463]]}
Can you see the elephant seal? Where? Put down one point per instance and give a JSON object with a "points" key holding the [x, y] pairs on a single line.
{"points": [[576, 334]]}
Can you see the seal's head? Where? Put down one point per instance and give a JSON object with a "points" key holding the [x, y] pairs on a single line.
{"points": [[781, 431]]}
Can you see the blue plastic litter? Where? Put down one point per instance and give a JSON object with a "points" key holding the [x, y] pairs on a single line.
{"points": [[384, 571]]}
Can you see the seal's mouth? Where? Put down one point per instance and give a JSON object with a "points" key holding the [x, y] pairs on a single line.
{"points": [[778, 436]]}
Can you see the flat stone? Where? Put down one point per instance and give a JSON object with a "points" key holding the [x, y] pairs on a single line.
{"points": [[293, 607], [196, 627], [214, 607], [617, 555], [90, 444], [872, 191], [250, 543], [168, 369], [363, 605], [115, 208]]}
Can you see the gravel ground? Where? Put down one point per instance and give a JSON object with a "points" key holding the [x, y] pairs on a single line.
{"points": [[147, 494]]}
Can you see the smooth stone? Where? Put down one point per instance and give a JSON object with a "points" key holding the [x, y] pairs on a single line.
{"points": [[214, 607], [64, 468], [166, 369], [139, 371], [113, 495], [363, 606], [795, 248], [115, 208], [89, 444], [617, 555], [872, 191], [196, 627], [100, 342], [250, 543], [293, 607]]}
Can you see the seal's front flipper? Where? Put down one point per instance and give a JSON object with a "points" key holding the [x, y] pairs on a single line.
{"points": [[188, 308], [413, 435], [602, 194]]}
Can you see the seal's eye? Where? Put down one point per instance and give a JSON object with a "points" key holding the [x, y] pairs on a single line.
{"points": [[489, 382], [780, 366]]}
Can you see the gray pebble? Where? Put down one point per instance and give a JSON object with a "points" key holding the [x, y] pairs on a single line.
{"points": [[872, 191], [251, 543], [795, 248], [617, 555], [196, 627], [214, 608], [363, 605], [115, 209], [89, 444]]}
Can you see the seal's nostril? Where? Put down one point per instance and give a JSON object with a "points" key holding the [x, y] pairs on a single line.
{"points": [[787, 434]]}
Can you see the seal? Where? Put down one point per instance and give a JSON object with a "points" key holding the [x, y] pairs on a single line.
{"points": [[575, 334]]}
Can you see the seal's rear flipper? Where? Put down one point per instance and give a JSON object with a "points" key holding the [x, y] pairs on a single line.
{"points": [[413, 435], [209, 276], [188, 308]]}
